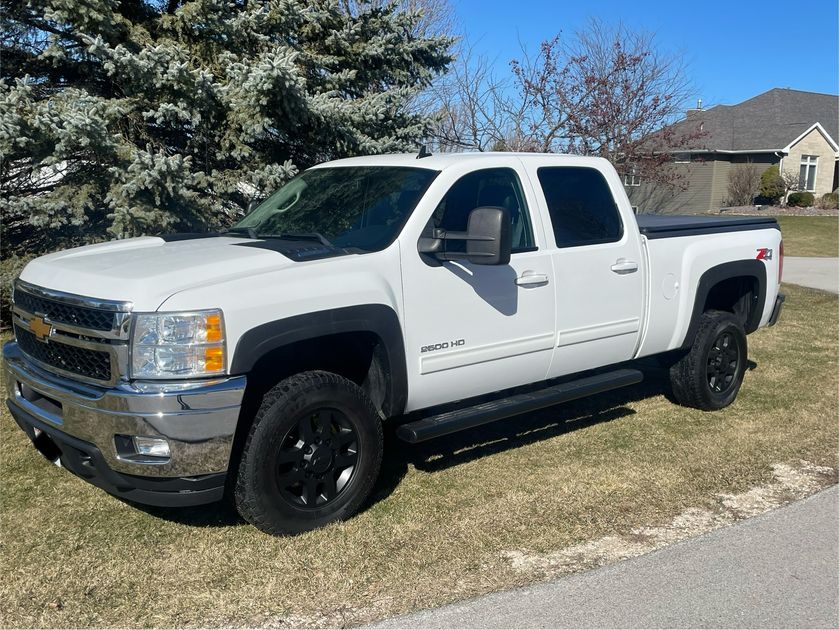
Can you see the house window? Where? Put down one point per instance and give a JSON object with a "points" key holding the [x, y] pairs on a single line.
{"points": [[807, 176], [682, 158], [632, 177]]}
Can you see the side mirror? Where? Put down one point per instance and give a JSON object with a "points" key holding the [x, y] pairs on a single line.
{"points": [[488, 238], [252, 204]]}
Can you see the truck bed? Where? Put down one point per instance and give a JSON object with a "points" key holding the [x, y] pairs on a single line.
{"points": [[671, 226]]}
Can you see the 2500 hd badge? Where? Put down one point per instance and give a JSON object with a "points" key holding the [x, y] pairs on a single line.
{"points": [[443, 346]]}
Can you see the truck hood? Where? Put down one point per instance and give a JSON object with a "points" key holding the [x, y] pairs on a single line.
{"points": [[148, 270]]}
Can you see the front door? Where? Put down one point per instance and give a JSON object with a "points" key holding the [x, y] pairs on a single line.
{"points": [[473, 329]]}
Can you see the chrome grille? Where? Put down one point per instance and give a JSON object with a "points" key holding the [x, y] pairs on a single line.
{"points": [[92, 364], [61, 312], [76, 336]]}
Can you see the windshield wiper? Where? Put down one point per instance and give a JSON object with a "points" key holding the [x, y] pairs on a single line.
{"points": [[301, 236], [249, 231]]}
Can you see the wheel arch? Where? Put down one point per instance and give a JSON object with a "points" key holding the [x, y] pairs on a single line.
{"points": [[737, 286], [309, 338]]}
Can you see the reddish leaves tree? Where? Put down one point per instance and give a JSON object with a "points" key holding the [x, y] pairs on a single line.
{"points": [[607, 91]]}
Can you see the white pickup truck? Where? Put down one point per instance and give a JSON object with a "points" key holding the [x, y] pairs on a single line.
{"points": [[441, 292]]}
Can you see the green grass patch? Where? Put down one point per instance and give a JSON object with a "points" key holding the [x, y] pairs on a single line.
{"points": [[444, 513], [810, 236]]}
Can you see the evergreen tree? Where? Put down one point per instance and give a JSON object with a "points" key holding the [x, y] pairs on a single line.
{"points": [[127, 117]]}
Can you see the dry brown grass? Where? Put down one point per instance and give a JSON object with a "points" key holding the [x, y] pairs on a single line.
{"points": [[810, 236], [447, 515]]}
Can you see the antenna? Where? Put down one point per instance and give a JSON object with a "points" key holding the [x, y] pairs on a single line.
{"points": [[423, 152]]}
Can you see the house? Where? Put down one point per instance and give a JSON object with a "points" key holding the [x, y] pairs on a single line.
{"points": [[796, 130]]}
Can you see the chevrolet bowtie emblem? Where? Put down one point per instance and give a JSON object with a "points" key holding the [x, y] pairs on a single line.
{"points": [[41, 329]]}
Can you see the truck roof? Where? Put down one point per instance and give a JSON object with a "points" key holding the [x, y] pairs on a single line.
{"points": [[441, 161]]}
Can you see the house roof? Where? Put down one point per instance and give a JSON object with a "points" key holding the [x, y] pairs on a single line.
{"points": [[766, 122]]}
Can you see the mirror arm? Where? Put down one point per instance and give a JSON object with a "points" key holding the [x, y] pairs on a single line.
{"points": [[434, 245], [461, 236]]}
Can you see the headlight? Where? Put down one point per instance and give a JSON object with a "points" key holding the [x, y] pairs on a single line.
{"points": [[177, 345]]}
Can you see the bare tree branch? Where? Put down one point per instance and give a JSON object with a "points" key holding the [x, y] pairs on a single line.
{"points": [[607, 91]]}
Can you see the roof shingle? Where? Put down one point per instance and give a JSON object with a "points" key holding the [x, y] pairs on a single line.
{"points": [[768, 121]]}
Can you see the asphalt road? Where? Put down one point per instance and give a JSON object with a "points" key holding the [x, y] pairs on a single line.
{"points": [[780, 569], [818, 273]]}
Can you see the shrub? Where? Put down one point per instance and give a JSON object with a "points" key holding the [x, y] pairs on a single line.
{"points": [[801, 199], [771, 186], [828, 201], [743, 184], [10, 269]]}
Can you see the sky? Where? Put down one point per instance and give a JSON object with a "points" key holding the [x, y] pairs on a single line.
{"points": [[734, 49]]}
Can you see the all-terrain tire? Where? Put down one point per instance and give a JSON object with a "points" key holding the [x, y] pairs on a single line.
{"points": [[312, 454], [709, 376]]}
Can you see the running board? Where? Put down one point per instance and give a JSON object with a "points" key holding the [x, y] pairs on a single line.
{"points": [[484, 413]]}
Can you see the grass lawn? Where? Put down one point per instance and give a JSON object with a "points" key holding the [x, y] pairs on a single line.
{"points": [[446, 516], [810, 236]]}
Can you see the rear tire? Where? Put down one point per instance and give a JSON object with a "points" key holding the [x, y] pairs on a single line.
{"points": [[312, 454], [709, 376]]}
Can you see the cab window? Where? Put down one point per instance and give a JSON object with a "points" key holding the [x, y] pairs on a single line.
{"points": [[499, 187], [581, 206]]}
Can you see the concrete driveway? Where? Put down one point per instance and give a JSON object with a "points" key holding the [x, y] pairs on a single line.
{"points": [[817, 273], [778, 570]]}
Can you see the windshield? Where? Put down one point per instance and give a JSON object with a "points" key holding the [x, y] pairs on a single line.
{"points": [[361, 207]]}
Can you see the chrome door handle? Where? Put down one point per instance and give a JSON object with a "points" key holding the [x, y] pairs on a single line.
{"points": [[531, 279], [622, 265]]}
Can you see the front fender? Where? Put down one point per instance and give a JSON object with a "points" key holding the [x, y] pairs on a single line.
{"points": [[378, 319]]}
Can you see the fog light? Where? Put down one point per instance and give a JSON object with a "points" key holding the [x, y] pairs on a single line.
{"points": [[151, 446]]}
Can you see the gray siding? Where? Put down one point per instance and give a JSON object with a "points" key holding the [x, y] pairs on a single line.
{"points": [[719, 185], [702, 187], [692, 194]]}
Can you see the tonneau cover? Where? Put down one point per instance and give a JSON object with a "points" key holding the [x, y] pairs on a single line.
{"points": [[669, 225]]}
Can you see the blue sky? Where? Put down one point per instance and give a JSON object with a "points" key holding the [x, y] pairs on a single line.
{"points": [[735, 49]]}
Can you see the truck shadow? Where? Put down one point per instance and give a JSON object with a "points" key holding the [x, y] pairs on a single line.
{"points": [[221, 514], [465, 446], [512, 433]]}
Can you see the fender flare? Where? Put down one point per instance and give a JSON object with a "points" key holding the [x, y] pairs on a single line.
{"points": [[713, 276], [379, 319]]}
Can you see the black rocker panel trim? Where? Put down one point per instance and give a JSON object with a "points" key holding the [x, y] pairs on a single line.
{"points": [[372, 318], [736, 269]]}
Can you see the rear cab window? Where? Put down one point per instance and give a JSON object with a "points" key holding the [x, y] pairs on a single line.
{"points": [[582, 208]]}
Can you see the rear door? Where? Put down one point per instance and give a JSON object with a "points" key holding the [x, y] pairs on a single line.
{"points": [[597, 263]]}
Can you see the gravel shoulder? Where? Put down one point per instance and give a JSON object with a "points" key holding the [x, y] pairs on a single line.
{"points": [[780, 569]]}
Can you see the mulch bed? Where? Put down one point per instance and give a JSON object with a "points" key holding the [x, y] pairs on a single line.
{"points": [[774, 211]]}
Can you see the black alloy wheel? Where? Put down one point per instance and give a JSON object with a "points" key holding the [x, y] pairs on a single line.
{"points": [[709, 375], [318, 458], [311, 456], [723, 363]]}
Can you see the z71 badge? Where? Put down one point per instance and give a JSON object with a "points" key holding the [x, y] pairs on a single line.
{"points": [[443, 346]]}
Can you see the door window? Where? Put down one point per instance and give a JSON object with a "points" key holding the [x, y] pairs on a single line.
{"points": [[498, 187], [581, 205]]}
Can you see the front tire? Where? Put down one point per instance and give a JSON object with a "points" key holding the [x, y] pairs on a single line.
{"points": [[312, 454], [709, 376]]}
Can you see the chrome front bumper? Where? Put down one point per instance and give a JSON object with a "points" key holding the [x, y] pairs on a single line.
{"points": [[197, 418]]}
